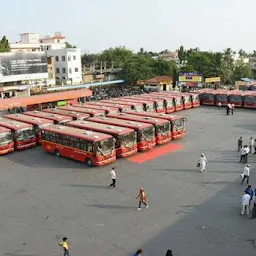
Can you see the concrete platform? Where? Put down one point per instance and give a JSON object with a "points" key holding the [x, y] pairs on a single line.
{"points": [[43, 198]]}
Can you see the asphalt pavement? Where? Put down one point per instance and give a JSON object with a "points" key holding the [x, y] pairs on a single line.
{"points": [[44, 198]]}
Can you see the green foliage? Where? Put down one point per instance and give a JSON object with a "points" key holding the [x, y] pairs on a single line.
{"points": [[4, 44], [68, 45]]}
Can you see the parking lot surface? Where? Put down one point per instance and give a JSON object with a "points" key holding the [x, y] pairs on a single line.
{"points": [[44, 198]]}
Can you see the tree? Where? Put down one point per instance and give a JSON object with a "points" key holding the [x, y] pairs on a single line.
{"points": [[242, 70], [4, 44], [68, 45], [181, 54], [89, 58]]}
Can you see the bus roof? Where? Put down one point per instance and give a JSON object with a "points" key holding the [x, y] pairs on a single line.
{"points": [[123, 102], [100, 103], [145, 119], [151, 97], [77, 133], [84, 110], [138, 99], [120, 122], [66, 112], [169, 117], [54, 117], [104, 108], [43, 98], [29, 119], [14, 125], [4, 129], [99, 127]]}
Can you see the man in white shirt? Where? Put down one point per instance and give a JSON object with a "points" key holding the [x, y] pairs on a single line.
{"points": [[242, 154], [251, 144], [245, 204], [247, 150], [113, 177], [246, 174]]}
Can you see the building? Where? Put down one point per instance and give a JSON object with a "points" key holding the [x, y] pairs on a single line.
{"points": [[158, 83], [67, 64], [169, 56]]}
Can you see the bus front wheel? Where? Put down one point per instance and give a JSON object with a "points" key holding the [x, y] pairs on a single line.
{"points": [[57, 153], [88, 161]]}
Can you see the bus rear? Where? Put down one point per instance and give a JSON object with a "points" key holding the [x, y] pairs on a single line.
{"points": [[91, 112], [6, 141], [73, 114], [125, 138], [133, 105], [250, 100], [37, 122], [107, 110], [92, 148], [57, 119], [145, 132], [23, 133], [162, 127]]}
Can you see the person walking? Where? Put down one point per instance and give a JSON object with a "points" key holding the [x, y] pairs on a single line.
{"points": [[239, 144], [254, 147], [142, 199], [227, 110], [246, 174], [245, 204], [219, 105], [232, 108], [254, 205], [113, 177], [251, 144], [242, 155], [138, 253], [202, 163], [169, 253], [64, 245], [250, 192], [247, 150]]}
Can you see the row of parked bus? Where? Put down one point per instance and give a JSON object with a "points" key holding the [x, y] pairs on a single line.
{"points": [[92, 135], [241, 99]]}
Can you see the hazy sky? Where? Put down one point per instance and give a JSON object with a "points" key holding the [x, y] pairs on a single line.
{"points": [[152, 24]]}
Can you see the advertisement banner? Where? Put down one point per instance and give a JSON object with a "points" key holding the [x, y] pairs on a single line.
{"points": [[190, 77], [212, 79]]}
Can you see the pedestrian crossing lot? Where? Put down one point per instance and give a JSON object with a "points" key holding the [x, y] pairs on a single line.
{"points": [[44, 198]]}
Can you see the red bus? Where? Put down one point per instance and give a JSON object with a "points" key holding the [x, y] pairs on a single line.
{"points": [[115, 105], [159, 103], [6, 141], [57, 119], [162, 127], [91, 112], [148, 105], [92, 148], [236, 98], [125, 138], [195, 99], [23, 133], [145, 132], [208, 98], [37, 122], [182, 100], [250, 100], [177, 127], [133, 105], [107, 110], [73, 114], [178, 101], [222, 97]]}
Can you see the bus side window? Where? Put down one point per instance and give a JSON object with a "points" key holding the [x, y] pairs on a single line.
{"points": [[66, 140], [46, 135], [43, 135], [89, 146], [52, 137], [76, 143], [83, 145], [72, 142], [58, 138]]}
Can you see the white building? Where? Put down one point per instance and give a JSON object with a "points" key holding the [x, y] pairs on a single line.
{"points": [[67, 63]]}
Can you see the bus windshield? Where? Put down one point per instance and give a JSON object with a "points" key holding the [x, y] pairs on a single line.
{"points": [[220, 97], [179, 124], [25, 134], [5, 137], [187, 99], [163, 129], [236, 98], [128, 140], [147, 134], [159, 105], [250, 99], [105, 147], [138, 108], [208, 96], [170, 103], [195, 97]]}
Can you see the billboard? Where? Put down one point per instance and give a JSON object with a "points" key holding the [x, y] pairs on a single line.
{"points": [[23, 66], [193, 77], [212, 80]]}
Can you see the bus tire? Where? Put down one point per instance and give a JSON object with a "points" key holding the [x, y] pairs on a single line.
{"points": [[88, 161], [57, 153]]}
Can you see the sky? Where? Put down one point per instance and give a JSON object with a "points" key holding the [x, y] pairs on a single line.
{"points": [[154, 25]]}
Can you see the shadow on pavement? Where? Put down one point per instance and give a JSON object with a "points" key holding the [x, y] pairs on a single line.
{"points": [[88, 186], [104, 206]]}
